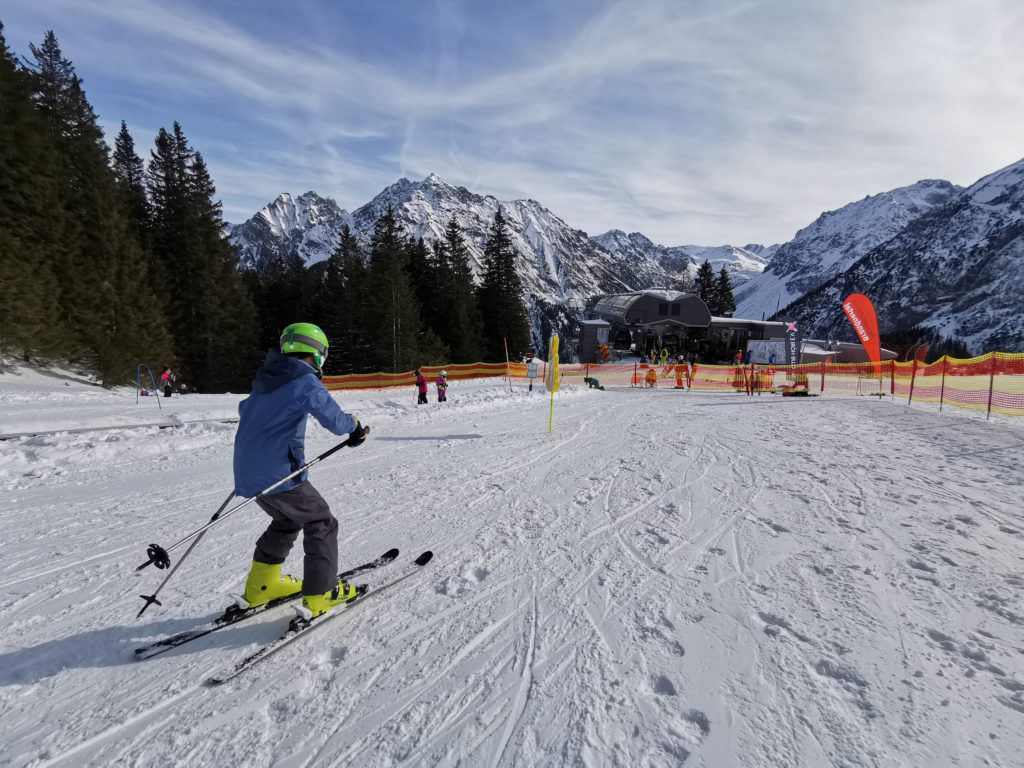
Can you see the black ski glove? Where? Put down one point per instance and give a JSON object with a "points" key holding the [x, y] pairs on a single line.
{"points": [[357, 436]]}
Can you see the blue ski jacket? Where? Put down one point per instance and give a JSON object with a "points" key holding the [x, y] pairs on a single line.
{"points": [[271, 438]]}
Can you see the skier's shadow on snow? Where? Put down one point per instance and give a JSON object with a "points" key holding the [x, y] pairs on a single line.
{"points": [[115, 646], [429, 437]]}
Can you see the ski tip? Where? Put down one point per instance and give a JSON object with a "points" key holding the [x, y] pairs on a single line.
{"points": [[213, 682], [391, 554], [424, 558]]}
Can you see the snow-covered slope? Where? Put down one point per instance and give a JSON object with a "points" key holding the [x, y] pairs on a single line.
{"points": [[833, 242], [764, 251], [958, 268], [646, 586], [742, 264], [638, 248], [306, 226], [680, 262]]}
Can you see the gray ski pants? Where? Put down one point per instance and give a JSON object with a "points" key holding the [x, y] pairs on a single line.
{"points": [[301, 509]]}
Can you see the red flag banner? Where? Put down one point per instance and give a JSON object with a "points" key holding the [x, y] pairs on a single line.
{"points": [[861, 314]]}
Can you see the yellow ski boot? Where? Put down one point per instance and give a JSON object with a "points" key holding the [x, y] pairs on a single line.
{"points": [[265, 583], [316, 605]]}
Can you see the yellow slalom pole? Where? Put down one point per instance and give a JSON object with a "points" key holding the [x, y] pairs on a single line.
{"points": [[552, 380]]}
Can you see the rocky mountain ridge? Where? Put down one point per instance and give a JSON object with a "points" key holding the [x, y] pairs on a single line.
{"points": [[561, 267], [874, 244], [957, 268], [834, 241]]}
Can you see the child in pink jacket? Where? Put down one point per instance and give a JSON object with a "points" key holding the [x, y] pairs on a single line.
{"points": [[442, 387]]}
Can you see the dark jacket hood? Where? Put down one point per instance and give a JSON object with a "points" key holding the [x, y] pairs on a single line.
{"points": [[277, 371]]}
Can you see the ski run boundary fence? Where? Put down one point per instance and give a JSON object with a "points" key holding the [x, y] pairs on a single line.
{"points": [[991, 383]]}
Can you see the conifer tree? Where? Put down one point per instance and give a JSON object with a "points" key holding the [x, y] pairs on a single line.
{"points": [[211, 314], [355, 337], [723, 294], [72, 128], [460, 328], [422, 268], [174, 254], [31, 223], [278, 297], [425, 278], [105, 302], [231, 353], [707, 286], [500, 296], [130, 174], [392, 317], [341, 306]]}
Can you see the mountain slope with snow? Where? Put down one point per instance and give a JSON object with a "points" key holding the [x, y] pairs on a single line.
{"points": [[306, 226], [742, 264], [833, 242], [680, 262], [560, 267], [646, 586], [557, 263], [958, 268]]}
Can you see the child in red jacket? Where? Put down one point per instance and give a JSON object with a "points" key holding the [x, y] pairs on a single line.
{"points": [[421, 388]]}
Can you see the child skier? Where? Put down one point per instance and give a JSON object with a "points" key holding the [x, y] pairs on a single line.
{"points": [[167, 378], [270, 444], [421, 388], [442, 387]]}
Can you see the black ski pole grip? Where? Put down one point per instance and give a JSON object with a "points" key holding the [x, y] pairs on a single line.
{"points": [[331, 451]]}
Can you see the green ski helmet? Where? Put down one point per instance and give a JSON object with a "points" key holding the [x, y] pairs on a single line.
{"points": [[305, 338]]}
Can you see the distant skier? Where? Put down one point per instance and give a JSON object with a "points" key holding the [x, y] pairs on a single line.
{"points": [[442, 387], [421, 388], [167, 378], [270, 444]]}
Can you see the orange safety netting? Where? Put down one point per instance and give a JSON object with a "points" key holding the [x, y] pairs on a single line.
{"points": [[992, 383], [380, 380]]}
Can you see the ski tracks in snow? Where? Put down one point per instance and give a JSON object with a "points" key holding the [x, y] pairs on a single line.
{"points": [[654, 584], [526, 681]]}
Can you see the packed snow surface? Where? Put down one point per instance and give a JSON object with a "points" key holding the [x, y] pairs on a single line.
{"points": [[670, 578]]}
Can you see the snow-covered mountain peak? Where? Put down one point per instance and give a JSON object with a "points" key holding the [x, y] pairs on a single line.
{"points": [[622, 239], [1004, 187], [834, 241], [561, 267], [306, 225], [955, 269], [679, 260], [433, 180], [286, 213]]}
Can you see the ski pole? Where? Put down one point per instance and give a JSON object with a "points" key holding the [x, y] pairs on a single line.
{"points": [[150, 599], [160, 557]]}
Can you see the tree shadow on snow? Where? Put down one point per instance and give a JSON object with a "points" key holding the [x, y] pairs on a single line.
{"points": [[115, 646]]}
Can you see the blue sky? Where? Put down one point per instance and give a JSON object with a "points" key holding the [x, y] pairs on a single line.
{"points": [[690, 121]]}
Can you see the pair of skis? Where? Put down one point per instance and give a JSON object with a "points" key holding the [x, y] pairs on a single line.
{"points": [[296, 628]]}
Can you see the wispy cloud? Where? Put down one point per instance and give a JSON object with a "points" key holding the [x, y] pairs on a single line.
{"points": [[702, 122]]}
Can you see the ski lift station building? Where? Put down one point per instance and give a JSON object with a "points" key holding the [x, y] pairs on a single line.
{"points": [[640, 322], [656, 319]]}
